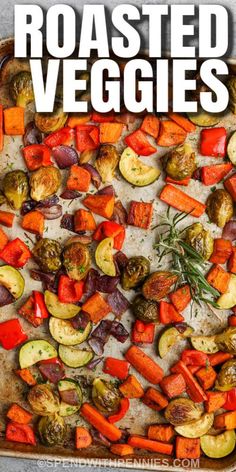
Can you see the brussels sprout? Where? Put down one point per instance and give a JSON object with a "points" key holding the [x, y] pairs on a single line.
{"points": [[16, 188], [44, 182], [226, 378], [226, 340], [220, 207], [231, 85], [42, 400], [105, 396], [107, 161], [50, 122], [145, 310], [47, 253], [76, 260], [52, 430], [158, 285], [200, 239], [21, 89], [182, 411], [180, 163], [135, 271]]}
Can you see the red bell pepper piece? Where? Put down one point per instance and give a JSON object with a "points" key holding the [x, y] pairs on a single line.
{"points": [[168, 313], [193, 357], [22, 433], [142, 332], [110, 229], [87, 137], [138, 141], [69, 291], [124, 407], [230, 185], [213, 142], [15, 253], [39, 305], [63, 136], [116, 368], [195, 391], [211, 175], [27, 311], [230, 403], [232, 320], [183, 182], [11, 334], [36, 156], [53, 360], [102, 117]]}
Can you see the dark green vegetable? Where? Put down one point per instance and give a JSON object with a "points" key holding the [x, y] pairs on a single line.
{"points": [[180, 163], [105, 396], [47, 253], [15, 187], [135, 272], [76, 260], [220, 207], [145, 310], [226, 341], [52, 430], [21, 89], [50, 122], [43, 400], [200, 239]]}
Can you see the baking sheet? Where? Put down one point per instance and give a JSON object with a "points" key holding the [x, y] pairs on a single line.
{"points": [[137, 242]]}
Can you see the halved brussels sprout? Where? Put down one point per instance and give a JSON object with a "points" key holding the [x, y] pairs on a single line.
{"points": [[47, 253], [158, 285], [21, 89], [226, 379], [44, 182], [76, 260], [52, 430], [105, 396], [43, 400], [107, 161], [220, 208], [135, 272], [145, 310], [104, 257], [15, 187], [50, 122], [226, 340], [200, 239], [182, 411], [218, 446], [180, 163]]}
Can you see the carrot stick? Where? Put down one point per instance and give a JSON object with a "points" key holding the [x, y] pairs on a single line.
{"points": [[154, 446], [121, 449], [183, 122], [6, 218], [18, 414], [149, 369], [183, 182], [219, 358], [83, 438], [155, 399], [195, 391], [181, 201], [170, 134], [99, 422]]}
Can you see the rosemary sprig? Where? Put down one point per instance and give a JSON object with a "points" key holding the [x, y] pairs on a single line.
{"points": [[185, 262]]}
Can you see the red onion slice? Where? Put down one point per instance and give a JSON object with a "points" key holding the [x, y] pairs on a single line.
{"points": [[52, 372], [6, 297], [67, 222], [32, 135], [96, 345], [120, 214], [70, 396], [95, 176], [119, 332], [229, 231], [109, 190], [51, 213], [80, 321], [93, 364], [107, 284], [197, 175], [65, 156], [118, 303], [70, 194]]}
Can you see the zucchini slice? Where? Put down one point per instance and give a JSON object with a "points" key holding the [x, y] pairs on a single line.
{"points": [[197, 428], [65, 408], [205, 344], [169, 337], [231, 148], [228, 299], [12, 279], [64, 333], [202, 118], [64, 311], [73, 357], [36, 351], [218, 446], [104, 257], [134, 171]]}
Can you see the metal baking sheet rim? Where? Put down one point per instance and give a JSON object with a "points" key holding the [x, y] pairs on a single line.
{"points": [[142, 462]]}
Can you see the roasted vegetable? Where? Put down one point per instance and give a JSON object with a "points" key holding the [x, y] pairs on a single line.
{"points": [[202, 118], [63, 332], [158, 285], [35, 351], [64, 311], [107, 161], [43, 400], [12, 280], [180, 163], [105, 396], [135, 171], [135, 272], [205, 344], [52, 430], [226, 340], [182, 411], [69, 390], [73, 357], [170, 336], [228, 299], [15, 187], [49, 122], [104, 257], [200, 239], [145, 310], [44, 182], [76, 260], [231, 85], [218, 446], [47, 253], [220, 207], [2, 198], [21, 89], [197, 428], [231, 147], [226, 378]]}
